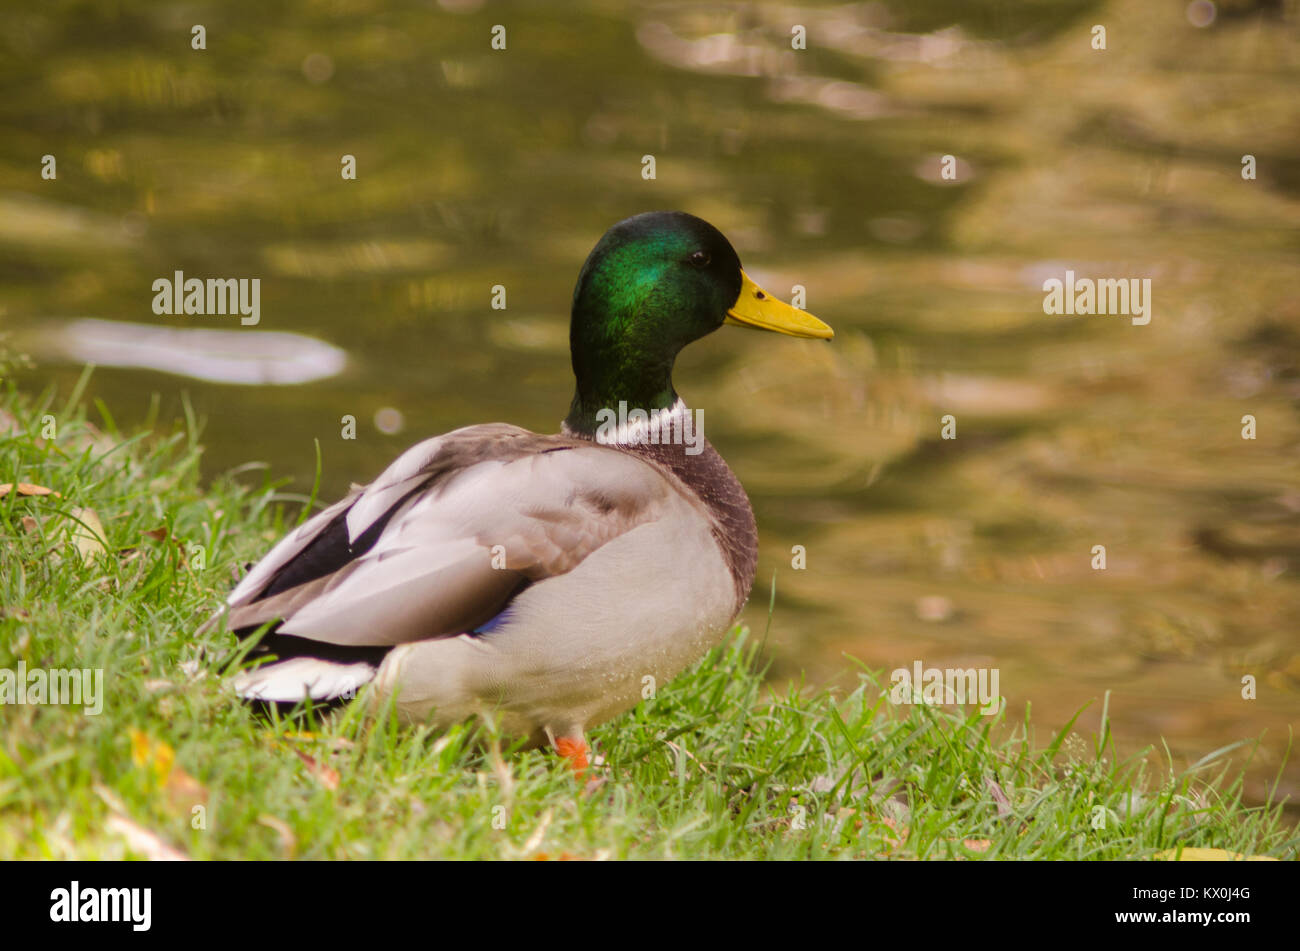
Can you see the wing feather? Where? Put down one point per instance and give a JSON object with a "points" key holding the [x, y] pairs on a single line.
{"points": [[460, 523]]}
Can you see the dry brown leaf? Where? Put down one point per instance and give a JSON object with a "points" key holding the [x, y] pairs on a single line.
{"points": [[896, 836], [183, 791], [325, 775], [535, 840], [26, 488], [999, 797], [143, 842], [87, 534], [288, 841], [182, 784], [299, 736], [153, 755]]}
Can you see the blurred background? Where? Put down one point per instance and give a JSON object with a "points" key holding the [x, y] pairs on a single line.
{"points": [[478, 167]]}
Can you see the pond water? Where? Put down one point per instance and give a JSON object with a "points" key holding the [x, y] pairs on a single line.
{"points": [[478, 167]]}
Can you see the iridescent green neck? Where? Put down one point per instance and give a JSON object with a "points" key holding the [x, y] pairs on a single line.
{"points": [[582, 418], [627, 329], [607, 376]]}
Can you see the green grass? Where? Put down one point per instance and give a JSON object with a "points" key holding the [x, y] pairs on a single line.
{"points": [[716, 766]]}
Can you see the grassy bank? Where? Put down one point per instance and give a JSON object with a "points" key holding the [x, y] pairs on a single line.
{"points": [[117, 566]]}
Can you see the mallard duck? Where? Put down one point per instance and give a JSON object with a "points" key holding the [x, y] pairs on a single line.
{"points": [[540, 577]]}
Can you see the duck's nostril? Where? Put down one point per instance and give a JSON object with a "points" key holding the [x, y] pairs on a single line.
{"points": [[761, 296]]}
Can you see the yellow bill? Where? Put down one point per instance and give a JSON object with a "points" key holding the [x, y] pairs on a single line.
{"points": [[757, 309]]}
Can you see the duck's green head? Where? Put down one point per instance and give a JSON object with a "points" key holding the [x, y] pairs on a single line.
{"points": [[653, 284]]}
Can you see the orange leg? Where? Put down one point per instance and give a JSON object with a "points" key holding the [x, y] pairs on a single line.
{"points": [[575, 750]]}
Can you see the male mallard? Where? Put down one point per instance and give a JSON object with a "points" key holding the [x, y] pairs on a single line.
{"points": [[542, 577]]}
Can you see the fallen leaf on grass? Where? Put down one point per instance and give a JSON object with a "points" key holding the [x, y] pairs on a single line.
{"points": [[894, 838], [679, 749], [335, 743], [288, 841], [539, 833], [999, 797], [183, 791], [160, 534], [325, 775], [154, 755], [143, 842], [87, 534], [26, 488], [80, 525]]}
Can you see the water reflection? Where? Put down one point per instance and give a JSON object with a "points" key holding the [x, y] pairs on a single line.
{"points": [[219, 356]]}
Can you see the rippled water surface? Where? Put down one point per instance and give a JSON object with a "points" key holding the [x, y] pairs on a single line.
{"points": [[479, 167]]}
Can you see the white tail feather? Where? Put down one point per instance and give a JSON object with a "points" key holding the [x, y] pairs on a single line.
{"points": [[298, 678]]}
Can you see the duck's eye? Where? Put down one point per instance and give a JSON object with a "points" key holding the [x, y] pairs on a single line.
{"points": [[700, 259]]}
